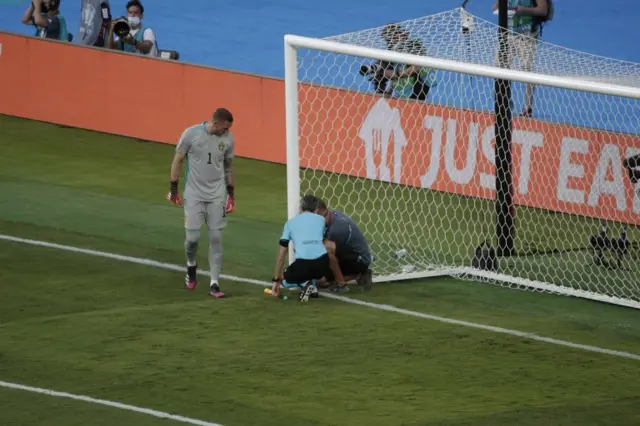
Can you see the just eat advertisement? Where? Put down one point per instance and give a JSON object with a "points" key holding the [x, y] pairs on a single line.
{"points": [[556, 167]]}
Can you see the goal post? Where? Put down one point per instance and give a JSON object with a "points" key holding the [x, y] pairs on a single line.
{"points": [[291, 118], [419, 176]]}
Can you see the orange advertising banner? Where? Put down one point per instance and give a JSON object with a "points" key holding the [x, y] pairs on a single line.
{"points": [[130, 95], [556, 167]]}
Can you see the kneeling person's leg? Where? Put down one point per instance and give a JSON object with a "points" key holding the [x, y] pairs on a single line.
{"points": [[305, 271]]}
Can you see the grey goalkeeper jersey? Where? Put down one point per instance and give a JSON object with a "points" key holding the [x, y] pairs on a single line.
{"points": [[205, 156]]}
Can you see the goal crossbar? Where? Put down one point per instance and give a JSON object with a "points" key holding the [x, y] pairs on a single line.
{"points": [[292, 43], [299, 42]]}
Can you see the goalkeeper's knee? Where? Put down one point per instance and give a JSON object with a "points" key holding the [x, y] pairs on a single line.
{"points": [[191, 239]]}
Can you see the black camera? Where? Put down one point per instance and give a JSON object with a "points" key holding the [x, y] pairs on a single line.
{"points": [[375, 73], [121, 27]]}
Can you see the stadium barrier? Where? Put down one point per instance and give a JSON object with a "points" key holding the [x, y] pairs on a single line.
{"points": [[126, 94], [557, 167]]}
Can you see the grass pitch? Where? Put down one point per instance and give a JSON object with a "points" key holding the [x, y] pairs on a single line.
{"points": [[131, 333]]}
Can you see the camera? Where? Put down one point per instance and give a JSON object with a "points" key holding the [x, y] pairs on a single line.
{"points": [[121, 27], [375, 73]]}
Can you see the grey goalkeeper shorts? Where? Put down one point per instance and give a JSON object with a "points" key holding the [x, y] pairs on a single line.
{"points": [[197, 213]]}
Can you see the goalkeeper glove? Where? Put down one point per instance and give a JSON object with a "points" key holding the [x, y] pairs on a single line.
{"points": [[230, 205], [173, 196]]}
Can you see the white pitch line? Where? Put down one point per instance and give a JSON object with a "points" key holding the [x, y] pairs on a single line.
{"points": [[388, 308], [154, 413]]}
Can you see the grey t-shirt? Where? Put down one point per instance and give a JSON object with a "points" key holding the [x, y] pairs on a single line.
{"points": [[205, 156], [349, 240]]}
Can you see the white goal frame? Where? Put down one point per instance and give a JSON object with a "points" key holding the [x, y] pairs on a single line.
{"points": [[291, 45]]}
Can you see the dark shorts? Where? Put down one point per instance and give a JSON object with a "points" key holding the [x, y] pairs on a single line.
{"points": [[303, 270], [350, 265]]}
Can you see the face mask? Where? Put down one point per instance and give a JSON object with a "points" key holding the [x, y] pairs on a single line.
{"points": [[134, 21]]}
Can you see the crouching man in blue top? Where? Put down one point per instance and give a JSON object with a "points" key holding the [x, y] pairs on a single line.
{"points": [[306, 232]]}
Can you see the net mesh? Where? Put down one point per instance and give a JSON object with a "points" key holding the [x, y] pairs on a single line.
{"points": [[418, 176], [444, 36]]}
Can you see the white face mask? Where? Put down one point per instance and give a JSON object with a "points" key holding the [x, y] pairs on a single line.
{"points": [[134, 21]]}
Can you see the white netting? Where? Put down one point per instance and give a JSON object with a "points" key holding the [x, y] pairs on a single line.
{"points": [[420, 175], [443, 37]]}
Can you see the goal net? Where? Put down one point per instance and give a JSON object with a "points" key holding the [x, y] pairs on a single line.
{"points": [[418, 173]]}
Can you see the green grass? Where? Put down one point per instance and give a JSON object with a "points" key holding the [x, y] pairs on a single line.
{"points": [[442, 229], [130, 333]]}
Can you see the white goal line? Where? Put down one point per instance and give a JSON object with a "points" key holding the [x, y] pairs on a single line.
{"points": [[381, 307]]}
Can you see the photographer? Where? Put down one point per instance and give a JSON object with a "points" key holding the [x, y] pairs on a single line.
{"points": [[399, 80], [45, 16], [130, 34]]}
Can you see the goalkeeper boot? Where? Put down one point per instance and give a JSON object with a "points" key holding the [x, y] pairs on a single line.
{"points": [[365, 280], [214, 290], [306, 292], [190, 280]]}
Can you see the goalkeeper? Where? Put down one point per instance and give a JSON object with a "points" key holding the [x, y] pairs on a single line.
{"points": [[209, 191], [312, 261]]}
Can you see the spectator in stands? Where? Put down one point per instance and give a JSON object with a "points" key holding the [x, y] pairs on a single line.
{"points": [[45, 16], [522, 41], [400, 80], [140, 39]]}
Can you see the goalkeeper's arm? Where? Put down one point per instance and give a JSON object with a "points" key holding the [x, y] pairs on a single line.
{"points": [[228, 178], [176, 167]]}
